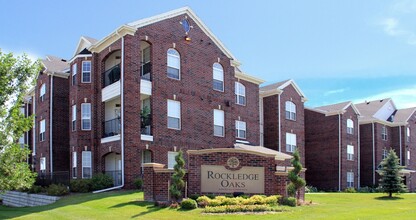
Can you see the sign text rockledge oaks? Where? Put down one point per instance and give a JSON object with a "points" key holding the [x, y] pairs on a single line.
{"points": [[218, 179]]}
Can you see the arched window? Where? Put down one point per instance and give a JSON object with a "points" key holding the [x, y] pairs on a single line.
{"points": [[350, 126], [290, 110], [218, 77], [174, 64], [240, 94]]}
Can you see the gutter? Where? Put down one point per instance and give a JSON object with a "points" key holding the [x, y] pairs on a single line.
{"points": [[400, 144], [359, 157], [50, 128], [280, 129], [122, 121], [374, 159], [339, 152]]}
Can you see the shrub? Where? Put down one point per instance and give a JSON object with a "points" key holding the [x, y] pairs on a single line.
{"points": [[80, 185], [241, 208], [188, 204], [211, 196], [57, 190], [194, 196], [203, 201], [36, 189], [311, 189], [138, 182], [214, 202], [272, 200], [289, 201], [350, 190], [101, 181]]}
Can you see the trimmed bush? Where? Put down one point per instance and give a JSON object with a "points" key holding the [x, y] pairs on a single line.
{"points": [[188, 204], [272, 200], [311, 189], [194, 196], [241, 208], [222, 201], [350, 190], [214, 202], [35, 189], [138, 183], [203, 201], [101, 181], [289, 201], [57, 190], [80, 185]]}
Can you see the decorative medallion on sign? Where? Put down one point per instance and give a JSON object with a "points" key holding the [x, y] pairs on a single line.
{"points": [[233, 162]]}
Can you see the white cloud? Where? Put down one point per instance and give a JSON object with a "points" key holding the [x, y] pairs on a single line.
{"points": [[335, 91], [405, 6], [403, 98]]}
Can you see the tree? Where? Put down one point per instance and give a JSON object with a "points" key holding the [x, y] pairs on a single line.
{"points": [[391, 181], [177, 178], [296, 182], [16, 77]]}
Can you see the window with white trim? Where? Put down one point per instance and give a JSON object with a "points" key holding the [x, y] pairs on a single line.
{"points": [[74, 117], [86, 72], [350, 152], [240, 127], [384, 132], [290, 110], [86, 165], [174, 114], [174, 64], [218, 123], [350, 126], [290, 142], [385, 153], [74, 74], [42, 163], [42, 92], [42, 128], [408, 157], [240, 94], [218, 77], [86, 116], [74, 165], [350, 179], [408, 134], [171, 159]]}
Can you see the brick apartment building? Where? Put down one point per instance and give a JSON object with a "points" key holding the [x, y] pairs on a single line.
{"points": [[282, 125], [332, 146], [384, 127]]}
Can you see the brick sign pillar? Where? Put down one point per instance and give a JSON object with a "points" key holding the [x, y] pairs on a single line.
{"points": [[148, 180]]}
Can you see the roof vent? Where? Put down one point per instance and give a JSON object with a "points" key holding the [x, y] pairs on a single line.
{"points": [[381, 100], [63, 60]]}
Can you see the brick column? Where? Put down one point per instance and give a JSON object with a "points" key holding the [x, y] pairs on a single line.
{"points": [[148, 180]]}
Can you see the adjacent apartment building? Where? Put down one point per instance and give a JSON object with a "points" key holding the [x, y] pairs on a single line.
{"points": [[332, 146], [384, 127]]}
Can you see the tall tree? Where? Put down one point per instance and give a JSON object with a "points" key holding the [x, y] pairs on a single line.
{"points": [[16, 77], [296, 181], [391, 181], [177, 178]]}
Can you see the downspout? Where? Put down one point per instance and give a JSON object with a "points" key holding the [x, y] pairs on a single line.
{"points": [[339, 152], [122, 120], [280, 129], [400, 144], [261, 116], [27, 133], [374, 159], [50, 128], [359, 157], [34, 130]]}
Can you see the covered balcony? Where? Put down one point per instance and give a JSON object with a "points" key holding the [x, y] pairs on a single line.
{"points": [[111, 77], [112, 121], [146, 119]]}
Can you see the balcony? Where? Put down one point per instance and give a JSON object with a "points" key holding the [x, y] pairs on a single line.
{"points": [[112, 129], [111, 75], [111, 83], [146, 122]]}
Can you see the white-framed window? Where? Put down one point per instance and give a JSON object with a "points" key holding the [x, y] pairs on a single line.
{"points": [[240, 94], [74, 117], [408, 156], [290, 142], [350, 152], [86, 165], [74, 165], [74, 74], [174, 114], [218, 123], [42, 129], [86, 116], [42, 163], [408, 134], [218, 77], [174, 64], [350, 126], [385, 153], [86, 72], [240, 127], [290, 110], [350, 179], [171, 159], [42, 92], [384, 132]]}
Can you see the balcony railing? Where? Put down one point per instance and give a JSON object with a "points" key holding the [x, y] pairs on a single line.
{"points": [[116, 175], [146, 123], [146, 71], [111, 75], [111, 127]]}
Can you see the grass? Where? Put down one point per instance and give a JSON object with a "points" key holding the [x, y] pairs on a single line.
{"points": [[129, 204]]}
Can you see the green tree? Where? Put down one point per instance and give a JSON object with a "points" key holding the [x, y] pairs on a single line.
{"points": [[177, 178], [16, 77], [296, 181], [391, 181]]}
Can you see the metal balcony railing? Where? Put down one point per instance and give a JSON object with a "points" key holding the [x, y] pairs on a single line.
{"points": [[146, 71], [111, 75], [146, 123], [112, 127]]}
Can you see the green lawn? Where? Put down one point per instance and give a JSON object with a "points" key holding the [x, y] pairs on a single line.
{"points": [[128, 204]]}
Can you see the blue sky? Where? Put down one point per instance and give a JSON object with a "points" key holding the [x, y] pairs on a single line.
{"points": [[335, 50]]}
